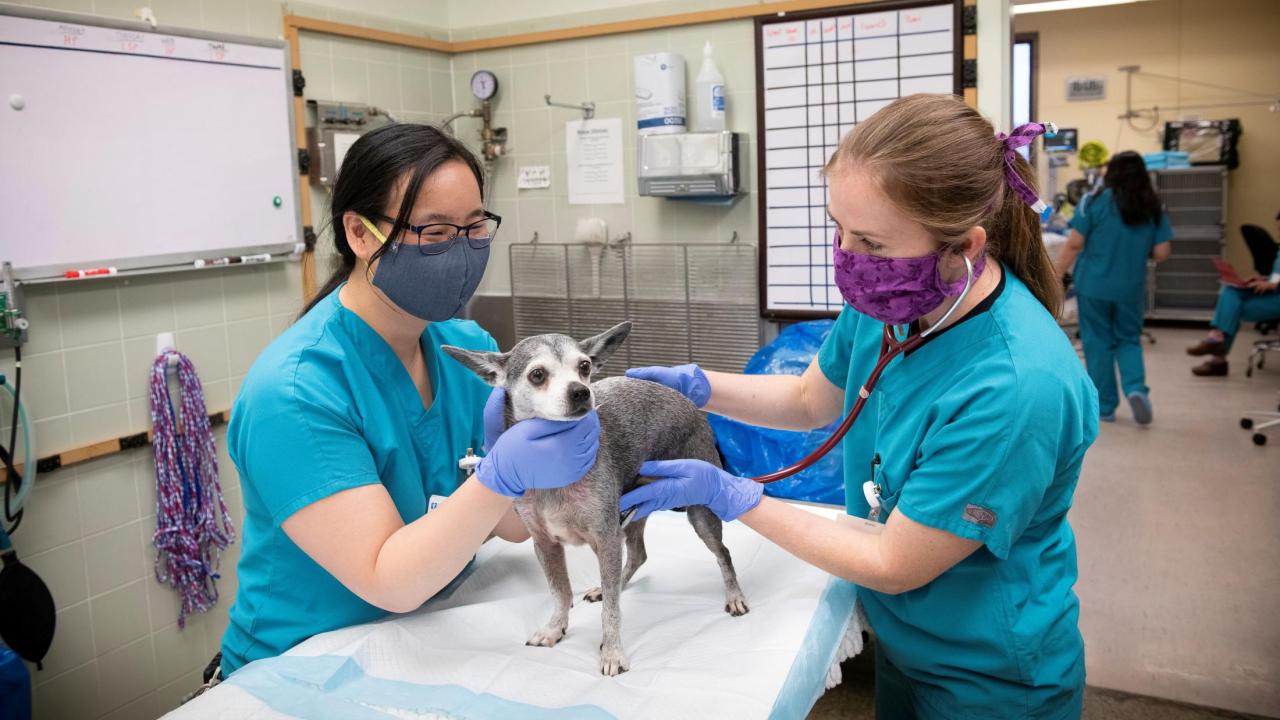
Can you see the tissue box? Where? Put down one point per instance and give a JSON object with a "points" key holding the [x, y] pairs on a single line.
{"points": [[688, 164]]}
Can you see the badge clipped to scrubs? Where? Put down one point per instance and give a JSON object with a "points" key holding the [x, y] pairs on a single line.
{"points": [[27, 616], [872, 494]]}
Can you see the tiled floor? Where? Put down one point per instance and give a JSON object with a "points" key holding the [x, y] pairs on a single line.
{"points": [[1179, 551], [854, 699]]}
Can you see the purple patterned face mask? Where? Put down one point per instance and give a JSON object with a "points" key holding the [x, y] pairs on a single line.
{"points": [[894, 290]]}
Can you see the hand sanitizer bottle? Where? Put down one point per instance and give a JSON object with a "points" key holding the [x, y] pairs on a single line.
{"points": [[710, 95]]}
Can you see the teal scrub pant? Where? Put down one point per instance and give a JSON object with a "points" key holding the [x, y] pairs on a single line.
{"points": [[1111, 333], [895, 699], [893, 691], [1241, 304]]}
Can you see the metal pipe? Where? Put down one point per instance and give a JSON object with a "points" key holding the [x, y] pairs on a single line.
{"points": [[448, 122]]}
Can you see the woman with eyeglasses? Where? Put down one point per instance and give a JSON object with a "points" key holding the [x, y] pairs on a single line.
{"points": [[351, 420]]}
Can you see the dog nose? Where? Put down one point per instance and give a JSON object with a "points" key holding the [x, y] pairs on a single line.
{"points": [[579, 395]]}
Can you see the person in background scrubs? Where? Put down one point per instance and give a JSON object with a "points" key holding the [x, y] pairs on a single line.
{"points": [[970, 446], [1257, 301], [1113, 234], [352, 419]]}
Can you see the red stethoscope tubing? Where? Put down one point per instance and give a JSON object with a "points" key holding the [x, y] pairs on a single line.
{"points": [[890, 348]]}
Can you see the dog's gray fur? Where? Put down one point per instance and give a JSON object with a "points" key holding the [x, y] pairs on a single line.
{"points": [[639, 421]]}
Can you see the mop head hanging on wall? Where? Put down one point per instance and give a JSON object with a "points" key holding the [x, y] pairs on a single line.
{"points": [[192, 523]]}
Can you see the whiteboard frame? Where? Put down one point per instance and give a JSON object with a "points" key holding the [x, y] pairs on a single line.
{"points": [[762, 202], [182, 260]]}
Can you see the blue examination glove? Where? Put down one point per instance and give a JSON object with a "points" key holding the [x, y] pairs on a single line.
{"points": [[688, 380], [494, 419], [539, 454], [692, 482]]}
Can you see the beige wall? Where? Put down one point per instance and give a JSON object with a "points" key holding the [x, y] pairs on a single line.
{"points": [[1229, 42], [117, 652], [1144, 646]]}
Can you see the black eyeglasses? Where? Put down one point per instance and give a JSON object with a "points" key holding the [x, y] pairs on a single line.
{"points": [[435, 238]]}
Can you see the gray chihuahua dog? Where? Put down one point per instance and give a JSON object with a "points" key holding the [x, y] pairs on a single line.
{"points": [[549, 376]]}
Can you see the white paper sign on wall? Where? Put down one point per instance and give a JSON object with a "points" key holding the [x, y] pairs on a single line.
{"points": [[533, 176], [1087, 87]]}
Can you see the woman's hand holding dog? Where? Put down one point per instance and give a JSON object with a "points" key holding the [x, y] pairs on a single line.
{"points": [[688, 380], [683, 483], [538, 454]]}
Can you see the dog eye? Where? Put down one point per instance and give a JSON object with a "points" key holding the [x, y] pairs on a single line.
{"points": [[584, 367], [537, 376]]}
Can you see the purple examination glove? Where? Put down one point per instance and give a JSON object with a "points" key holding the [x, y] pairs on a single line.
{"points": [[692, 482], [688, 380], [494, 421], [539, 454]]}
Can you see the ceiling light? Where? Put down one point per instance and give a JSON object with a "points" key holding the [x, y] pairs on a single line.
{"points": [[1052, 5]]}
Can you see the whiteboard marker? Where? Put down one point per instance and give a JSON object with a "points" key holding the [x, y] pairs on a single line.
{"points": [[264, 257], [73, 274], [217, 261]]}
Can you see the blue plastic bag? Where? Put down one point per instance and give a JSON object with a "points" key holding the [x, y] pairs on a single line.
{"points": [[751, 451], [15, 687]]}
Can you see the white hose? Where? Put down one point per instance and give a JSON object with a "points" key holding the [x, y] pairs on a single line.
{"points": [[29, 466]]}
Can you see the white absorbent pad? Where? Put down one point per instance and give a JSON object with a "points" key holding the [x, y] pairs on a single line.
{"points": [[462, 655]]}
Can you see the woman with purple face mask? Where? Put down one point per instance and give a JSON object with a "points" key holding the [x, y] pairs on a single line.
{"points": [[968, 450]]}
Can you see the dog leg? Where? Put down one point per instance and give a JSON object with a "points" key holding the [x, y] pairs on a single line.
{"points": [[636, 556], [551, 557], [608, 549], [708, 527]]}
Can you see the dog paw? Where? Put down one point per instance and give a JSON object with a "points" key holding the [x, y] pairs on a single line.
{"points": [[613, 662], [736, 606], [594, 595], [546, 637]]}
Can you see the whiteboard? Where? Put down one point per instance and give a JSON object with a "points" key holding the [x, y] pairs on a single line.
{"points": [[136, 147], [820, 75]]}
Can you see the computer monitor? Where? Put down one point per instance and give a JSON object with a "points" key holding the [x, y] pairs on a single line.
{"points": [[1063, 142]]}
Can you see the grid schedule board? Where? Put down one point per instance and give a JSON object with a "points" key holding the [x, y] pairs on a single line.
{"points": [[821, 73]]}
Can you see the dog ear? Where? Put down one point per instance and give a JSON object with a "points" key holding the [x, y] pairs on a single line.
{"points": [[490, 366], [600, 347]]}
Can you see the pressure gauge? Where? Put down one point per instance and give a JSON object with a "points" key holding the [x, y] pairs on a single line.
{"points": [[484, 85]]}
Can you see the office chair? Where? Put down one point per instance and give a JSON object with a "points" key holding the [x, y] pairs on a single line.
{"points": [[1264, 250], [1265, 419]]}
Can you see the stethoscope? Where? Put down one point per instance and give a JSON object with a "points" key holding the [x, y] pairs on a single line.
{"points": [[890, 348]]}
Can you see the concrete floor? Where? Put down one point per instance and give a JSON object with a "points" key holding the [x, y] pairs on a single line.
{"points": [[1178, 527]]}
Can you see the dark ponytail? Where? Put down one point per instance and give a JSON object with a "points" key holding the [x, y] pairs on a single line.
{"points": [[367, 181], [1131, 187]]}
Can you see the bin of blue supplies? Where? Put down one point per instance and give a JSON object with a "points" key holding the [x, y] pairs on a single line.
{"points": [[750, 451], [15, 687]]}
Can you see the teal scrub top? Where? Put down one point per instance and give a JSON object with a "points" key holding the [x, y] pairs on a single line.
{"points": [[981, 433], [328, 407], [1113, 264]]}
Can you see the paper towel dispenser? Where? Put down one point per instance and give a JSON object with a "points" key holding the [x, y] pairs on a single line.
{"points": [[688, 164]]}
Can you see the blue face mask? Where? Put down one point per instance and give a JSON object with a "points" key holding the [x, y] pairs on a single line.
{"points": [[431, 286]]}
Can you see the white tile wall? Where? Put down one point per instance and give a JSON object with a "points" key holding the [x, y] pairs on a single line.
{"points": [[117, 652], [600, 70]]}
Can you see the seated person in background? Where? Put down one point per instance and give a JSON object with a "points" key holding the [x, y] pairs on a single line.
{"points": [[1113, 233], [1258, 301]]}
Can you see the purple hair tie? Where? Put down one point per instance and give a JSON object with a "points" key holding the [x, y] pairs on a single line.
{"points": [[1022, 136]]}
